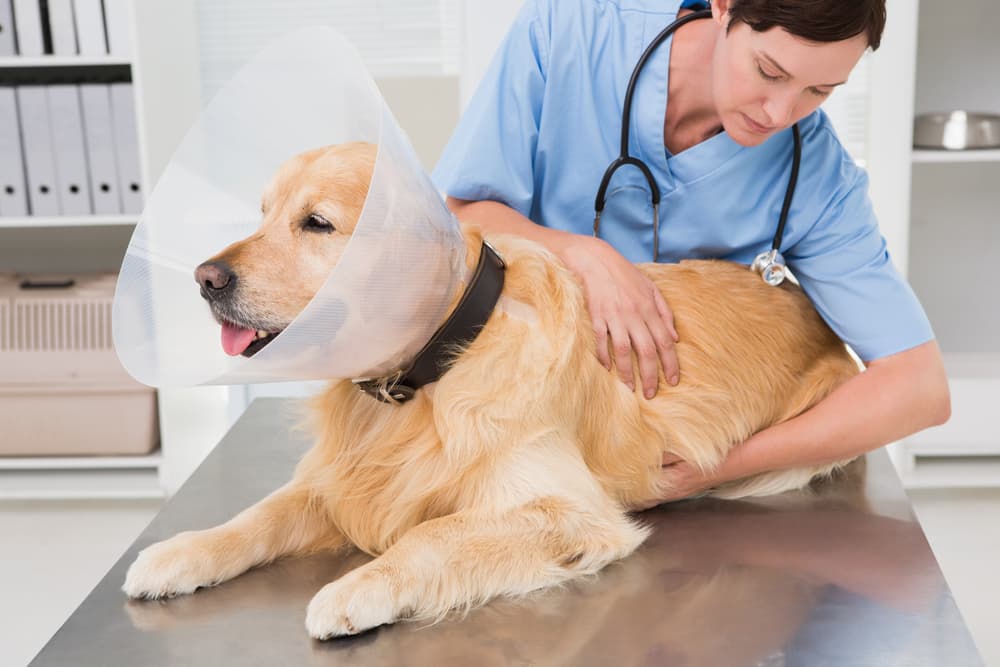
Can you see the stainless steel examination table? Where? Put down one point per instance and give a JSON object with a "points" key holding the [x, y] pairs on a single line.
{"points": [[840, 575]]}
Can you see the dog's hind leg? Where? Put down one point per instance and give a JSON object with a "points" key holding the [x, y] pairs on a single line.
{"points": [[289, 521], [464, 559]]}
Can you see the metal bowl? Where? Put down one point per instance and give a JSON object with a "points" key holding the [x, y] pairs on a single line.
{"points": [[956, 130]]}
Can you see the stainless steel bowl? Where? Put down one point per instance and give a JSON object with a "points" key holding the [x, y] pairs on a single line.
{"points": [[956, 130]]}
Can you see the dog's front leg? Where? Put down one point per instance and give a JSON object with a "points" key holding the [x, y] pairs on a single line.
{"points": [[467, 558], [289, 521]]}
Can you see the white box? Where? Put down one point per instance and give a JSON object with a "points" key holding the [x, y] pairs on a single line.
{"points": [[63, 391]]}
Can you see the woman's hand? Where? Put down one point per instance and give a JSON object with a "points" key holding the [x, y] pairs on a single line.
{"points": [[684, 480], [625, 305]]}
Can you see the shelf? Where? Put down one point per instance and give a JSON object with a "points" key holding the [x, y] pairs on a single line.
{"points": [[65, 478], [80, 462], [923, 156], [20, 62], [45, 478], [68, 221], [930, 472]]}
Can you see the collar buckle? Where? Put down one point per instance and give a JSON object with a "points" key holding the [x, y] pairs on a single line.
{"points": [[395, 393]]}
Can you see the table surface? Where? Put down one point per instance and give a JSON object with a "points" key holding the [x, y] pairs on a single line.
{"points": [[837, 575]]}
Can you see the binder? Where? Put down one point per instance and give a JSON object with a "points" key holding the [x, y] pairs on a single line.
{"points": [[66, 123], [7, 45], [28, 26], [13, 196], [95, 101], [127, 147], [90, 27], [61, 27], [39, 160], [118, 20]]}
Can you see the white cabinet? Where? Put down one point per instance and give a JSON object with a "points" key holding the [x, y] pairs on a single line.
{"points": [[953, 235], [163, 70]]}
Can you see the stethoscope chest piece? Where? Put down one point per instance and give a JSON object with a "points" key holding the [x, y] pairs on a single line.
{"points": [[770, 266]]}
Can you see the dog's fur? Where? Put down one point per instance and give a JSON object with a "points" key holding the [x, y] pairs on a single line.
{"points": [[516, 470]]}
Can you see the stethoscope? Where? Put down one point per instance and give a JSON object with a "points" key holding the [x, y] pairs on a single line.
{"points": [[769, 264]]}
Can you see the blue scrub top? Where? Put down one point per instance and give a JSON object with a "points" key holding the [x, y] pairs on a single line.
{"points": [[546, 121]]}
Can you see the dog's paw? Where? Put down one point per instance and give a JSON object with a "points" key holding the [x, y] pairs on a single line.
{"points": [[360, 600], [173, 567]]}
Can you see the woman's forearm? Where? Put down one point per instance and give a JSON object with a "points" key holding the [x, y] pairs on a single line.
{"points": [[496, 218], [895, 397]]}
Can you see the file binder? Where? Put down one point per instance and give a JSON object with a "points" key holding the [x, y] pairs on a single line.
{"points": [[13, 196], [95, 101], [67, 139], [117, 20], [90, 27], [7, 44], [39, 160], [61, 27], [127, 147], [28, 26]]}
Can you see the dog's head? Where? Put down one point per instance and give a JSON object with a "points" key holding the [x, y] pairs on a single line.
{"points": [[257, 286]]}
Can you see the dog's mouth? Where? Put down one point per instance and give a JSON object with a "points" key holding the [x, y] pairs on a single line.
{"points": [[238, 340]]}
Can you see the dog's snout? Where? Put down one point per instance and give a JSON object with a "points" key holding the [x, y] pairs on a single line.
{"points": [[215, 279]]}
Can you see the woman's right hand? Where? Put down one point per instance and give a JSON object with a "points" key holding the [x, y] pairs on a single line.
{"points": [[626, 306]]}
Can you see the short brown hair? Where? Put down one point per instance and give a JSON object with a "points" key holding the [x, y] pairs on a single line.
{"points": [[814, 20]]}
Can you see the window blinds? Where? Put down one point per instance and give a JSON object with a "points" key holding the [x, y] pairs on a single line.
{"points": [[848, 110], [394, 37]]}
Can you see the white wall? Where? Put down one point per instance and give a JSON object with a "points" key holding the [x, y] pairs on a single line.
{"points": [[483, 27]]}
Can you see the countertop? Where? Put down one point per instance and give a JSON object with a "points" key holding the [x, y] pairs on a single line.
{"points": [[840, 574]]}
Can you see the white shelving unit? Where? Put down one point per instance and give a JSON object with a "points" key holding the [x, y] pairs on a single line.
{"points": [[164, 74], [952, 233]]}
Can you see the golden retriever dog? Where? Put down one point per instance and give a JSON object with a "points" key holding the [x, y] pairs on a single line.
{"points": [[518, 469]]}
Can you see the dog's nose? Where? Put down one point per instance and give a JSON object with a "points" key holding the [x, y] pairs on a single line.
{"points": [[215, 279]]}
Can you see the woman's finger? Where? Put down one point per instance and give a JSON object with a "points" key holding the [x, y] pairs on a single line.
{"points": [[621, 346], [666, 343]]}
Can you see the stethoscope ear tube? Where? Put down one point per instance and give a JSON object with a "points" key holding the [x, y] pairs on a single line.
{"points": [[654, 194], [623, 156]]}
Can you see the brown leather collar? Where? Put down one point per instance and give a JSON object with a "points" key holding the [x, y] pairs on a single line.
{"points": [[459, 330]]}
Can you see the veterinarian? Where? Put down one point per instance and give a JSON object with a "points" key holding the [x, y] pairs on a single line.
{"points": [[711, 119]]}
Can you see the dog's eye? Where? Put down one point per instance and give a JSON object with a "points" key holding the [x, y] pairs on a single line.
{"points": [[317, 223]]}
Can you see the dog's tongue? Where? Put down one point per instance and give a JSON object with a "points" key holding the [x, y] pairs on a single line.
{"points": [[236, 339]]}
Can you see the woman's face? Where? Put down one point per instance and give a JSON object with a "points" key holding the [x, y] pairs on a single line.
{"points": [[763, 82]]}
